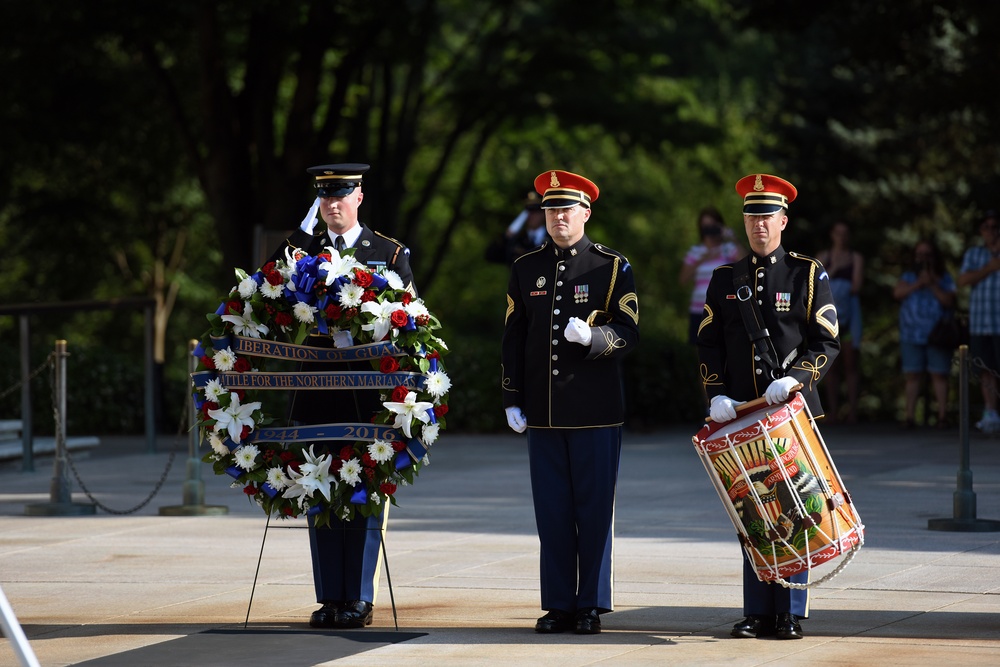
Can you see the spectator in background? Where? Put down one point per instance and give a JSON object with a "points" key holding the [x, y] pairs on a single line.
{"points": [[716, 249], [846, 268], [525, 232], [981, 271], [926, 292]]}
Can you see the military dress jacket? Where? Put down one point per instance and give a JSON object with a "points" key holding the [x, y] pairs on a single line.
{"points": [[556, 383], [344, 406], [793, 295]]}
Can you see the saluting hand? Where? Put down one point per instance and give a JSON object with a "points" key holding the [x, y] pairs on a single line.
{"points": [[308, 223]]}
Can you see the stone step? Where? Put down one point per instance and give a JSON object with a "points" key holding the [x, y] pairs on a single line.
{"points": [[42, 446]]}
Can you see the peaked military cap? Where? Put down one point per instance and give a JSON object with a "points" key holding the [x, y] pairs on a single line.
{"points": [[337, 180], [562, 189], [764, 194]]}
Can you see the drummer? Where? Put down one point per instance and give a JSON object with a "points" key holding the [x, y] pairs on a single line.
{"points": [[782, 301]]}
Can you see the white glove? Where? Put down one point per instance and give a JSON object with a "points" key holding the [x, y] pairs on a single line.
{"points": [[722, 409], [577, 331], [515, 419], [309, 222], [778, 390], [342, 339]]}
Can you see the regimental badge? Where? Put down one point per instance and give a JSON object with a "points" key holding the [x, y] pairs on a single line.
{"points": [[783, 301], [540, 283], [758, 184], [581, 293], [366, 243], [554, 181]]}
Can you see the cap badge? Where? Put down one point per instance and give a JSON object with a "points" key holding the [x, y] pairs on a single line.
{"points": [[540, 283], [554, 181], [758, 184]]}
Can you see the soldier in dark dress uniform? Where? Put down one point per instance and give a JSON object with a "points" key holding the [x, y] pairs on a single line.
{"points": [[796, 310], [572, 314], [345, 555]]}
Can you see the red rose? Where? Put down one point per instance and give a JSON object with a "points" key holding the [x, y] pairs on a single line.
{"points": [[336, 465], [406, 298], [369, 473], [399, 394], [288, 511], [399, 318], [208, 362], [206, 406], [367, 460], [250, 489], [294, 465], [368, 295], [325, 256], [244, 433], [333, 311], [388, 488], [234, 307], [347, 452], [398, 446], [274, 278], [362, 278], [440, 410], [242, 365], [388, 365], [283, 319], [286, 456], [267, 268]]}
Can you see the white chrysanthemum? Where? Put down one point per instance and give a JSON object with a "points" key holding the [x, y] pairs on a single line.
{"points": [[214, 389], [304, 313], [247, 287], [349, 295], [350, 472], [430, 434], [440, 343], [437, 383], [271, 291], [218, 446], [381, 451], [391, 277], [246, 456], [224, 360], [416, 308], [375, 498], [277, 478]]}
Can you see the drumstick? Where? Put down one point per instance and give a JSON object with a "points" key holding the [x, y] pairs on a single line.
{"points": [[756, 403]]}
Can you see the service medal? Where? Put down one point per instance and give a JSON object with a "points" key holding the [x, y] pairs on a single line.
{"points": [[783, 302], [581, 293]]}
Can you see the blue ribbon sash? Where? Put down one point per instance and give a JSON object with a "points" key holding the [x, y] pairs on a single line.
{"points": [[258, 347], [322, 380], [323, 432]]}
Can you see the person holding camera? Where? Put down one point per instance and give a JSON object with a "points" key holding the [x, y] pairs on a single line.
{"points": [[925, 293], [716, 248]]}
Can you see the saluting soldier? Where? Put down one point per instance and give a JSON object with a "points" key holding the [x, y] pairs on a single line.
{"points": [[345, 554], [769, 324], [572, 315]]}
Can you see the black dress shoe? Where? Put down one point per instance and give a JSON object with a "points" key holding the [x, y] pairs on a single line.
{"points": [[788, 627], [754, 626], [556, 620], [355, 614], [325, 616], [588, 622]]}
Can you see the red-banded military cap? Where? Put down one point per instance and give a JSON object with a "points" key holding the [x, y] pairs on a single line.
{"points": [[562, 189], [763, 194], [337, 180]]}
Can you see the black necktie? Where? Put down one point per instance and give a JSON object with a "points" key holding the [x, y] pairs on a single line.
{"points": [[338, 244]]}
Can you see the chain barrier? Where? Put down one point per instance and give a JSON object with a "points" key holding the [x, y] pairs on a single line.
{"points": [[35, 373], [79, 480], [980, 365]]}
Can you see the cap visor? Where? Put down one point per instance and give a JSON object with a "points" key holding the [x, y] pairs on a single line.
{"points": [[334, 192], [760, 209]]}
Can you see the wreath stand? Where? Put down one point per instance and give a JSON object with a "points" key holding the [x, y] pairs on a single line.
{"points": [[260, 558]]}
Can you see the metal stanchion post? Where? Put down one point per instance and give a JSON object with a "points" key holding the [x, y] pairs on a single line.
{"points": [[60, 497], [193, 494], [27, 438], [964, 509]]}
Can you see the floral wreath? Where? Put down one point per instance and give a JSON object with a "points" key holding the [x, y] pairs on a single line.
{"points": [[364, 311]]}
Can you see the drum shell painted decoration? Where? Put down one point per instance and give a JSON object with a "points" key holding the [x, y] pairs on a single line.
{"points": [[781, 488]]}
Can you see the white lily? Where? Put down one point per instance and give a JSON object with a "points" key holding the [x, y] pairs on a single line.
{"points": [[339, 265], [234, 417], [407, 411], [243, 325], [381, 325], [312, 476]]}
